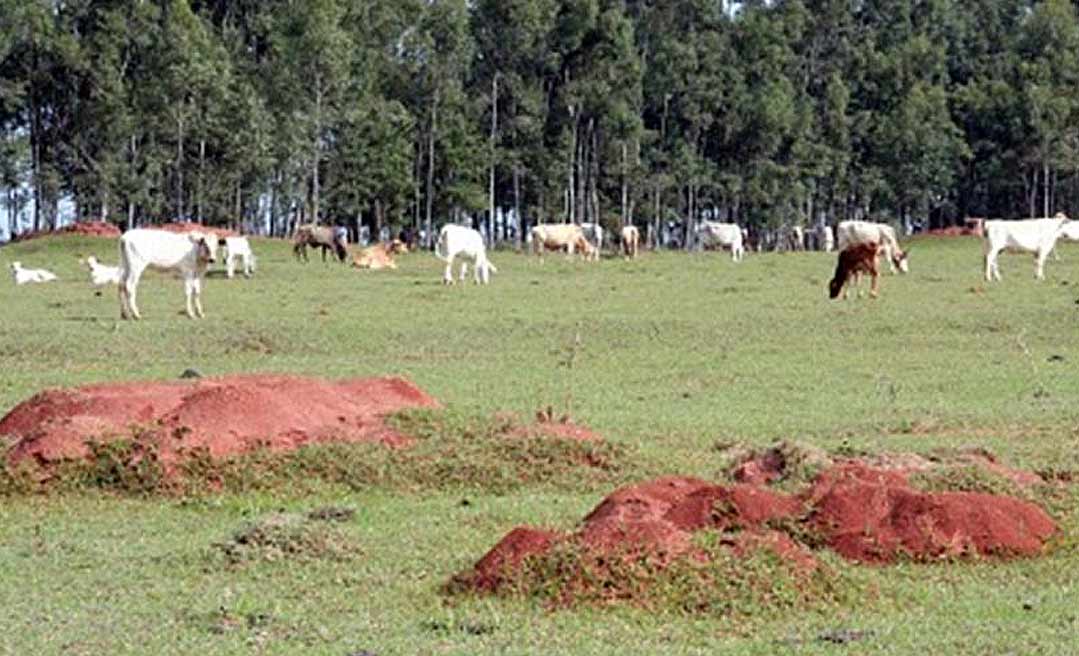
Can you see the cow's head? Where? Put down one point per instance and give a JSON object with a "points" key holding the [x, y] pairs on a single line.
{"points": [[836, 285], [204, 251], [901, 260], [397, 247]]}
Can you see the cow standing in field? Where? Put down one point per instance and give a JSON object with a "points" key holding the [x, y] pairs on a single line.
{"points": [[316, 236], [631, 241], [1038, 236], [725, 235], [556, 236], [854, 260], [237, 248], [849, 233], [188, 254], [458, 241]]}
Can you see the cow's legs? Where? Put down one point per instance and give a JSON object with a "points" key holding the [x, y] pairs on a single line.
{"points": [[874, 286], [130, 289], [991, 267], [1039, 264], [464, 269]]}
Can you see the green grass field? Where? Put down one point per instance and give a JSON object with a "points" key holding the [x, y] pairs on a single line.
{"points": [[672, 357]]}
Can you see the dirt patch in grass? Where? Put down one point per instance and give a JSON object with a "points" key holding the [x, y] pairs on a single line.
{"points": [[218, 417], [286, 537], [674, 541]]}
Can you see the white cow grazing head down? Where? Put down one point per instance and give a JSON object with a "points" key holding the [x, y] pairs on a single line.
{"points": [[454, 241], [187, 254]]}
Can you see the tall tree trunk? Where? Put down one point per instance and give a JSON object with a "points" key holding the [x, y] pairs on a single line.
{"points": [[521, 226], [571, 183], [198, 181], [428, 219], [1045, 187], [315, 155], [180, 168], [625, 189], [491, 181]]}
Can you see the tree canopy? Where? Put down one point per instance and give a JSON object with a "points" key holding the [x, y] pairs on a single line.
{"points": [[414, 112]]}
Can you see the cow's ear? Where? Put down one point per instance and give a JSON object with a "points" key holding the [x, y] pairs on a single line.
{"points": [[195, 237]]}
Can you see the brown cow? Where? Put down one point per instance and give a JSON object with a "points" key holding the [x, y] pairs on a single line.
{"points": [[855, 260], [379, 256], [322, 237]]}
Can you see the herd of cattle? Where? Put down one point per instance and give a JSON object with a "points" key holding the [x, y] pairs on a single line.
{"points": [[862, 244]]}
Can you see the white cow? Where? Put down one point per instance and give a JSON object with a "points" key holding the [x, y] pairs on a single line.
{"points": [[455, 240], [631, 241], [1037, 236], [593, 232], [237, 248], [23, 276], [726, 235], [101, 274], [850, 233], [186, 254]]}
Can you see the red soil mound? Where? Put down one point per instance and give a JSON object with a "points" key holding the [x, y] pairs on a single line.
{"points": [[88, 228], [654, 522], [224, 416], [867, 514], [875, 516]]}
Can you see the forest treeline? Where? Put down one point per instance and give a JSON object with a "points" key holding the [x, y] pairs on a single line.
{"points": [[415, 112]]}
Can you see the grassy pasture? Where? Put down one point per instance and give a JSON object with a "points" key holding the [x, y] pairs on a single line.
{"points": [[673, 356]]}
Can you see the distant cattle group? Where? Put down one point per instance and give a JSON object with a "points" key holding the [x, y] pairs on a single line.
{"points": [[861, 244]]}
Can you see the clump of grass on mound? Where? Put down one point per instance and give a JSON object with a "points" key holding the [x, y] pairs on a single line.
{"points": [[713, 581], [287, 537], [448, 450], [796, 463], [970, 478]]}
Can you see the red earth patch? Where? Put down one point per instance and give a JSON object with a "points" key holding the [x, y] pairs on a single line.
{"points": [[221, 416], [863, 513], [87, 228]]}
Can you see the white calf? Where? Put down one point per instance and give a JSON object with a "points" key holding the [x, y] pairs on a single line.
{"points": [[726, 235], [1037, 236], [455, 240], [23, 276], [186, 254], [850, 233], [238, 248], [101, 274]]}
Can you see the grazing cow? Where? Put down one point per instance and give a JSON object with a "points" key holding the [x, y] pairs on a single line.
{"points": [[101, 274], [187, 254], [593, 232], [631, 241], [455, 240], [379, 256], [1038, 236], [552, 236], [725, 235], [825, 238], [237, 248], [855, 260], [23, 276], [849, 233], [323, 237]]}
